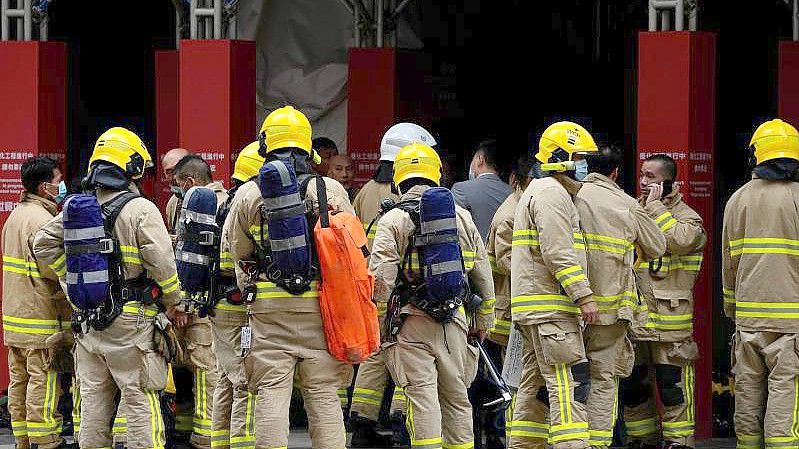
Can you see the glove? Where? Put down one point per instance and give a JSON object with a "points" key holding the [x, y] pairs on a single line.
{"points": [[61, 343], [166, 341]]}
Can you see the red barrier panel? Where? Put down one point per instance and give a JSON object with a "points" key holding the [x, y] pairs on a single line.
{"points": [[788, 82], [167, 110], [385, 86], [33, 117], [217, 101], [676, 115]]}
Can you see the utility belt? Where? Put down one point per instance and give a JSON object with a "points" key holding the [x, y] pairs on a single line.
{"points": [[414, 294], [296, 284], [140, 289]]}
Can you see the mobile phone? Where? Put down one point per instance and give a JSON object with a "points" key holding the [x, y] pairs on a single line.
{"points": [[668, 186]]}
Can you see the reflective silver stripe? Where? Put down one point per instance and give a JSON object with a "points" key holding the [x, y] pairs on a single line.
{"points": [[65, 208], [189, 194], [188, 257], [445, 267], [438, 225], [283, 171], [282, 201], [288, 244], [93, 277], [197, 217], [89, 277], [96, 232]]}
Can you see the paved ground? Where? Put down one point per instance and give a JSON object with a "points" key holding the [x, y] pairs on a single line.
{"points": [[299, 439]]}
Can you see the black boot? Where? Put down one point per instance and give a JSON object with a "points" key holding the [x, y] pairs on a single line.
{"points": [[364, 433], [638, 444], [398, 429]]}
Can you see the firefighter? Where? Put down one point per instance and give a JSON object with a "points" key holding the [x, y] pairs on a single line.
{"points": [[168, 162], [35, 312], [122, 356], [287, 333], [760, 277], [665, 349], [233, 413], [615, 227], [196, 335], [372, 379], [549, 292], [430, 357], [498, 248]]}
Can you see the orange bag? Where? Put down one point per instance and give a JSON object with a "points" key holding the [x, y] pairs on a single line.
{"points": [[349, 316]]}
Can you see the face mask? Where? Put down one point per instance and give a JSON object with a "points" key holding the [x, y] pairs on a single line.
{"points": [[177, 191], [471, 174], [580, 169], [62, 193]]}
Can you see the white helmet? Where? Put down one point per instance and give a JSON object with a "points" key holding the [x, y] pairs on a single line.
{"points": [[401, 135]]}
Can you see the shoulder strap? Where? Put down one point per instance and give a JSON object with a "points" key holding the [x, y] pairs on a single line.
{"points": [[321, 193], [112, 208]]}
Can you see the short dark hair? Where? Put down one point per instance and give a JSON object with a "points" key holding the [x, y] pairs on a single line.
{"points": [[668, 164], [488, 148], [37, 170], [522, 167], [608, 158], [324, 142], [194, 166]]}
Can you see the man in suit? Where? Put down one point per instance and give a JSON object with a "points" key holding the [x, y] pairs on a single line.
{"points": [[484, 191], [482, 195]]}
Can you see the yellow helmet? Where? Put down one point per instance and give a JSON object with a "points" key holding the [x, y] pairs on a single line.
{"points": [[124, 149], [560, 141], [287, 128], [775, 139], [417, 160], [248, 162]]}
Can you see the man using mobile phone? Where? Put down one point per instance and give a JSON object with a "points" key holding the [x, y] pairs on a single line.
{"points": [[666, 350]]}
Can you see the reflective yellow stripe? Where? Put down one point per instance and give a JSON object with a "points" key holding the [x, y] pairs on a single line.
{"points": [[137, 308], [569, 276], [795, 424], [30, 325], [525, 237], [130, 254], [783, 310], [228, 307], [642, 428], [608, 244], [529, 429], [501, 327], [268, 290], [572, 431], [614, 302], [427, 443], [487, 306], [670, 322], [170, 284], [226, 261], [19, 428], [60, 265], [543, 303], [665, 221], [459, 446], [561, 395], [764, 245], [749, 441]]}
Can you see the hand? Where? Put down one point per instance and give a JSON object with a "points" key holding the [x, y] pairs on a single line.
{"points": [[590, 311], [480, 335], [178, 318], [655, 192]]}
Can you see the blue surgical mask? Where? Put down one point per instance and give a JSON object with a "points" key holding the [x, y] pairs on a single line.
{"points": [[580, 169], [62, 193], [177, 191]]}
